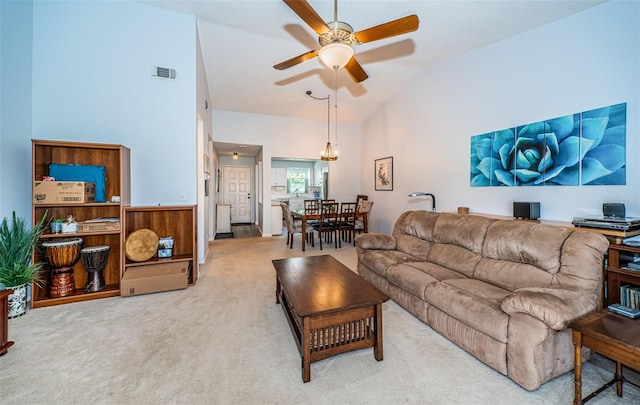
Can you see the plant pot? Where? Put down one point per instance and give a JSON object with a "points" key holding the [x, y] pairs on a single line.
{"points": [[56, 227], [17, 301]]}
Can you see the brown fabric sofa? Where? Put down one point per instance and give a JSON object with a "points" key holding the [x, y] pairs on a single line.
{"points": [[502, 290]]}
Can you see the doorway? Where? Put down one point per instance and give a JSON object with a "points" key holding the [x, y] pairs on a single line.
{"points": [[236, 192]]}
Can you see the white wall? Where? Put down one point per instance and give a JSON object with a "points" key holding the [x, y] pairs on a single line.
{"points": [[293, 138], [579, 63], [16, 25], [91, 83], [204, 129]]}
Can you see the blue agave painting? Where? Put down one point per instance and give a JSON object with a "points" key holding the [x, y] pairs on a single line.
{"points": [[604, 133], [554, 152]]}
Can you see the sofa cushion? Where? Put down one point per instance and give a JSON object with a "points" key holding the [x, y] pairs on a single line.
{"points": [[455, 258], [487, 349], [472, 302], [580, 248], [413, 245], [414, 276], [556, 307], [380, 260], [526, 242], [414, 232], [511, 275], [467, 231], [375, 241], [416, 223], [438, 272]]}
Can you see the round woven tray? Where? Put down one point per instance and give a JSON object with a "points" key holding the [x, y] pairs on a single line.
{"points": [[141, 245]]}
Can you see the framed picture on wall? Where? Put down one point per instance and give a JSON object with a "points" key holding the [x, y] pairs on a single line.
{"points": [[207, 163], [384, 174]]}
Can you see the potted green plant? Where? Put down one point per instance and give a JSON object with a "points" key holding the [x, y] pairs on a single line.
{"points": [[56, 225], [17, 242]]}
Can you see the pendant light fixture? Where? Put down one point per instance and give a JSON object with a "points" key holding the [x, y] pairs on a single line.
{"points": [[328, 153]]}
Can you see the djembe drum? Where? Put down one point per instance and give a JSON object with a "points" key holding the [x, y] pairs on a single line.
{"points": [[62, 255], [94, 260]]}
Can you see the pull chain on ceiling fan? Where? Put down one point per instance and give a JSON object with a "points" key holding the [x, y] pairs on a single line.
{"points": [[336, 38]]}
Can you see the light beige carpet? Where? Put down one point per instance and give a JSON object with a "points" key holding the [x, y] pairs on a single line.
{"points": [[225, 341]]}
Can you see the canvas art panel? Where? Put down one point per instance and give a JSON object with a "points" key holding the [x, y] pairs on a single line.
{"points": [[587, 148]]}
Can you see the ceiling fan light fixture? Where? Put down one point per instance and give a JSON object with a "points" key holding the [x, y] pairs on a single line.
{"points": [[335, 55]]}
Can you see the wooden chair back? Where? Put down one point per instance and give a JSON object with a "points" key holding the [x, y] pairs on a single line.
{"points": [[311, 207], [359, 199], [348, 212], [328, 217]]}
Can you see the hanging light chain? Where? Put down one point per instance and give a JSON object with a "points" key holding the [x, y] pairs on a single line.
{"points": [[336, 106]]}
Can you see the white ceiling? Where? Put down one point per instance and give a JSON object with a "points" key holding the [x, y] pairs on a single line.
{"points": [[241, 41]]}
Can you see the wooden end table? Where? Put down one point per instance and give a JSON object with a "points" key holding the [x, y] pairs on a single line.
{"points": [[5, 343], [330, 309], [613, 336]]}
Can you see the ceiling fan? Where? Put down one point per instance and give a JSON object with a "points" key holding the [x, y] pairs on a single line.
{"points": [[336, 38]]}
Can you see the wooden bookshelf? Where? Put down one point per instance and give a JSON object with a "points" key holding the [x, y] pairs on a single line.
{"points": [[178, 222], [116, 160]]}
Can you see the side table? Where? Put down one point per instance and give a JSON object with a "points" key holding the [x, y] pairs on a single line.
{"points": [[613, 336], [5, 343]]}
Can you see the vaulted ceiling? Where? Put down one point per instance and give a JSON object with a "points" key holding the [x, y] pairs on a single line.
{"points": [[241, 41]]}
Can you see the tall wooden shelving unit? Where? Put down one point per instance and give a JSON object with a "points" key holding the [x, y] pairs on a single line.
{"points": [[618, 272], [176, 221], [116, 160]]}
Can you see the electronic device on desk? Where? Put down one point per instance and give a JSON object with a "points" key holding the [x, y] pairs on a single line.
{"points": [[614, 223], [614, 210], [613, 217], [526, 210], [624, 310]]}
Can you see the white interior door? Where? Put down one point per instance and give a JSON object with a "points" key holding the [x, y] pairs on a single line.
{"points": [[237, 192]]}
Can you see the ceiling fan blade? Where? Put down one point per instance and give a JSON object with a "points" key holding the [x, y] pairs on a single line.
{"points": [[355, 70], [389, 29], [298, 59], [308, 15]]}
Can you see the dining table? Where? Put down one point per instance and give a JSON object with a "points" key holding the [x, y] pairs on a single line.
{"points": [[302, 215]]}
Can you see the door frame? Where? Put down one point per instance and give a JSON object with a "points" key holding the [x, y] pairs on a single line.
{"points": [[252, 193]]}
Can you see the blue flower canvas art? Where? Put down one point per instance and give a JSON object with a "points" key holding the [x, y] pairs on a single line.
{"points": [[604, 133], [559, 151]]}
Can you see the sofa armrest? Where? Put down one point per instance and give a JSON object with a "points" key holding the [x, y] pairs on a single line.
{"points": [[376, 241], [556, 307]]}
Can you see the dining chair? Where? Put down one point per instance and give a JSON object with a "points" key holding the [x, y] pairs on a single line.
{"points": [[328, 224], [347, 221], [359, 199], [311, 207], [293, 229], [365, 208]]}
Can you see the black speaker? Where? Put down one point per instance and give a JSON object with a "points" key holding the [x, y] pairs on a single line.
{"points": [[526, 210], [613, 210]]}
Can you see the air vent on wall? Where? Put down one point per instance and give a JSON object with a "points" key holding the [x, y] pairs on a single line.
{"points": [[163, 72]]}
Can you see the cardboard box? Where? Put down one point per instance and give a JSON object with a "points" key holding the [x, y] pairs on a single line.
{"points": [[97, 225], [63, 192], [154, 278]]}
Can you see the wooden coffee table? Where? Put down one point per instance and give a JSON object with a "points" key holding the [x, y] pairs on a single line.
{"points": [[613, 336], [330, 309]]}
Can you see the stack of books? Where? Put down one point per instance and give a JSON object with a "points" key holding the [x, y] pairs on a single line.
{"points": [[624, 310], [630, 296], [635, 265]]}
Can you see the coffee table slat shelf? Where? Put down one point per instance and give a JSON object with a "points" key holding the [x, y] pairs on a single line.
{"points": [[341, 311]]}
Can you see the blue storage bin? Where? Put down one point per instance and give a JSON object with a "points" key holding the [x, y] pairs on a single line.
{"points": [[94, 174]]}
